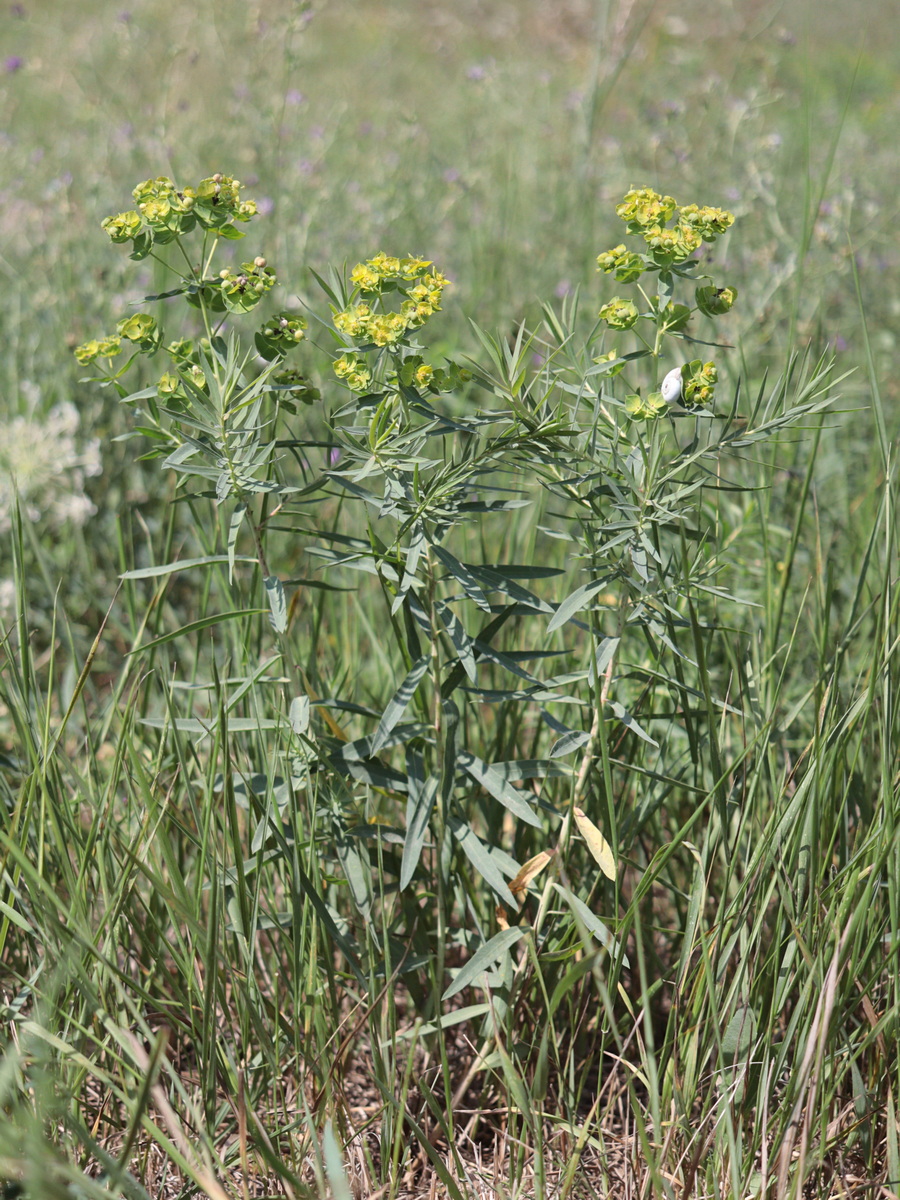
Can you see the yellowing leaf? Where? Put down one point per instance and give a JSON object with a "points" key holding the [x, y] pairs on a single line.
{"points": [[533, 867], [596, 842]]}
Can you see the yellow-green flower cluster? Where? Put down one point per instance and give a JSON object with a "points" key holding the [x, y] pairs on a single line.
{"points": [[708, 222], [158, 202], [223, 194], [415, 372], [284, 331], [171, 386], [672, 245], [168, 385], [421, 288], [354, 321], [649, 214], [163, 211], [107, 347], [123, 226], [181, 350], [196, 375], [699, 381], [424, 299], [141, 329], [643, 209], [353, 371], [628, 267], [619, 313], [715, 301], [640, 409], [384, 329], [373, 275], [242, 290], [218, 196], [364, 325], [672, 234]]}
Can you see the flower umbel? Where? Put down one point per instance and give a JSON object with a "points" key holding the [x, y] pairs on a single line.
{"points": [[713, 301], [619, 314], [643, 208], [673, 236]]}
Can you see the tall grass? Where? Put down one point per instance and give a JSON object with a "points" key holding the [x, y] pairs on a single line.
{"points": [[211, 980]]}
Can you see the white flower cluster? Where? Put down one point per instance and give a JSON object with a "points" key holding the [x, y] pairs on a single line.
{"points": [[44, 458]]}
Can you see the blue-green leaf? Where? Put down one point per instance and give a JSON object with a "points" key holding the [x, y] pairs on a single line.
{"points": [[465, 577], [182, 564], [419, 810], [277, 604], [479, 855], [298, 714], [462, 643], [630, 723], [234, 526], [592, 924], [396, 706], [569, 742], [485, 957], [574, 603], [195, 626], [494, 783]]}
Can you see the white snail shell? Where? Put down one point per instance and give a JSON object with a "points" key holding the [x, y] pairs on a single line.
{"points": [[671, 386]]}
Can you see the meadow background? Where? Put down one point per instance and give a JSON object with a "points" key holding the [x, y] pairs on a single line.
{"points": [[496, 139]]}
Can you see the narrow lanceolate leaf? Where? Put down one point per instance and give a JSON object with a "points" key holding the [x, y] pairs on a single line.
{"points": [[630, 723], [569, 742], [465, 577], [576, 602], [605, 652], [334, 1165], [182, 564], [462, 643], [194, 626], [357, 870], [498, 580], [396, 706], [455, 1017], [529, 870], [484, 958], [592, 924], [298, 714], [739, 1036], [195, 725], [494, 783], [596, 843], [419, 810], [277, 604], [479, 855], [234, 525], [413, 554]]}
